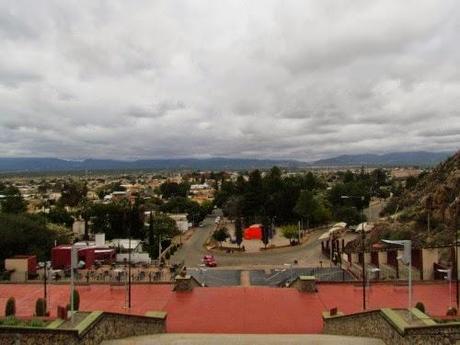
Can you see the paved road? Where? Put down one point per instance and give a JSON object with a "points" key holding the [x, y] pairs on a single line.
{"points": [[308, 254], [243, 339]]}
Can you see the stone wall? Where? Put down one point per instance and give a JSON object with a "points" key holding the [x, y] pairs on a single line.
{"points": [[115, 326], [185, 284], [304, 284], [376, 325], [33, 336], [104, 326]]}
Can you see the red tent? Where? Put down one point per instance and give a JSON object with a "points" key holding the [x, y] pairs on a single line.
{"points": [[254, 232]]}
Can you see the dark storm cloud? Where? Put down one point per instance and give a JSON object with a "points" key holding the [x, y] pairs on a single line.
{"points": [[297, 79]]}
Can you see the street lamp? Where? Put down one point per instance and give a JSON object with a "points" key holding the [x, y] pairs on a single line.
{"points": [[203, 274], [406, 258], [363, 239], [370, 272], [448, 273], [457, 205], [291, 273]]}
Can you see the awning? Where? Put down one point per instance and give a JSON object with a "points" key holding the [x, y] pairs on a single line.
{"points": [[335, 229], [366, 226], [324, 236]]}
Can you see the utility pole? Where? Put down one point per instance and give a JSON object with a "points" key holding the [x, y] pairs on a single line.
{"points": [[457, 209], [363, 247], [363, 240]]}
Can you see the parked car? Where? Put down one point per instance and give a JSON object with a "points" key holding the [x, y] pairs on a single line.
{"points": [[209, 261]]}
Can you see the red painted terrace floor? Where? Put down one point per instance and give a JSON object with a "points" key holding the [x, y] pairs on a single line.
{"points": [[231, 309]]}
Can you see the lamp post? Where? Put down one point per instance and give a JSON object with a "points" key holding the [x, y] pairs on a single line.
{"points": [[370, 271], [457, 209], [448, 273], [363, 247], [203, 274], [406, 258], [290, 268], [73, 265]]}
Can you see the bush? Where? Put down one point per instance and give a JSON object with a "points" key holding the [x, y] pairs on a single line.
{"points": [[40, 307], [420, 306], [76, 300], [36, 323], [10, 308], [452, 311], [10, 321]]}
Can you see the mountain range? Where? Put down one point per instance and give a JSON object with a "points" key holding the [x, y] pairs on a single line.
{"points": [[419, 158]]}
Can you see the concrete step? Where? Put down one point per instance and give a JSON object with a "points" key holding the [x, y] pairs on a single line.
{"points": [[244, 339]]}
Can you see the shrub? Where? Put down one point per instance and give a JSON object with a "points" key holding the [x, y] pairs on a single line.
{"points": [[10, 308], [76, 300], [40, 307], [11, 321], [420, 306], [452, 311], [36, 323]]}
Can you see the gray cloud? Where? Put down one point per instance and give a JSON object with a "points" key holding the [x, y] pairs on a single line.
{"points": [[264, 79]]}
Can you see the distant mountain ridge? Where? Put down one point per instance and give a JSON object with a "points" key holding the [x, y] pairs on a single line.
{"points": [[55, 164], [417, 158], [420, 158]]}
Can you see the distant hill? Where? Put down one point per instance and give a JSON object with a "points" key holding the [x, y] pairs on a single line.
{"points": [[54, 164], [419, 158]]}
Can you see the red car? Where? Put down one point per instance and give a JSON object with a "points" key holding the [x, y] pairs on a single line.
{"points": [[209, 261]]}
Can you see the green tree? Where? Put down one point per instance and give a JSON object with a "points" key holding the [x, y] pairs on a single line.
{"points": [[29, 234], [59, 215], [11, 200], [306, 205], [238, 231], [291, 232], [76, 300], [10, 307], [151, 238], [220, 235], [40, 307], [72, 193], [173, 189]]}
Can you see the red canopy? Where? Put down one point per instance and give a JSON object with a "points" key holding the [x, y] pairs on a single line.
{"points": [[254, 232]]}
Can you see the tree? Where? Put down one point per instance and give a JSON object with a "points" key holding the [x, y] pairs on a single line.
{"points": [[29, 234], [306, 205], [173, 189], [349, 215], [59, 215], [76, 300], [40, 307], [290, 232], [151, 238], [265, 235], [10, 307], [195, 212], [220, 235], [233, 207], [72, 193], [238, 231], [12, 202]]}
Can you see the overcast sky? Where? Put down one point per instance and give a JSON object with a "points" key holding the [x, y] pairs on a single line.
{"points": [[259, 79]]}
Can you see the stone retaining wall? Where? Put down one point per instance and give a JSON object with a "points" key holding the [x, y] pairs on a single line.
{"points": [[100, 327], [376, 324]]}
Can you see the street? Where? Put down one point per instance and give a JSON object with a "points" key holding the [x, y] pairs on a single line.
{"points": [[307, 254]]}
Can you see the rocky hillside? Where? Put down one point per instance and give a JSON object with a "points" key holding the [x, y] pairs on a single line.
{"points": [[437, 194], [427, 212]]}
